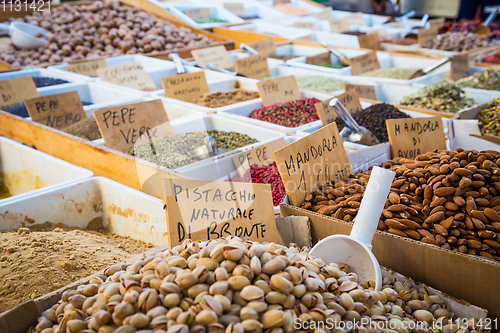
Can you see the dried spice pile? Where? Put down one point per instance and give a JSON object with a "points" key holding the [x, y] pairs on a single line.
{"points": [[489, 118], [392, 73], [319, 83], [211, 20], [179, 150], [457, 42], [443, 96], [85, 129], [21, 110], [330, 66], [290, 9], [102, 28], [4, 191], [373, 118], [266, 174], [219, 99], [449, 199], [284, 57], [289, 114], [41, 81], [34, 263], [492, 59], [488, 79]]}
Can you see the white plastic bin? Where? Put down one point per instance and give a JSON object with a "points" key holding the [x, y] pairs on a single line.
{"points": [[26, 171], [243, 112], [42, 72], [251, 8], [274, 30], [148, 63], [218, 12], [383, 58], [343, 40], [234, 55], [120, 209], [311, 8]]}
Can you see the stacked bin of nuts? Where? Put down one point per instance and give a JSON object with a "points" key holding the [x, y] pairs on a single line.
{"points": [[449, 199], [233, 286]]}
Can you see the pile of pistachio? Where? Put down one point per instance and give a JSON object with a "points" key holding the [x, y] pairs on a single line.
{"points": [[233, 286]]}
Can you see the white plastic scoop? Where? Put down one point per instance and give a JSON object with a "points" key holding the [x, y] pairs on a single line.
{"points": [[355, 249], [23, 35]]}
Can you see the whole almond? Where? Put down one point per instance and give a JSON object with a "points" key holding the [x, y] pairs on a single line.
{"points": [[429, 240], [397, 232], [492, 243], [447, 222], [393, 224], [441, 230], [413, 234], [480, 216], [444, 191], [491, 215], [434, 218], [397, 208], [437, 202], [474, 244], [394, 198]]}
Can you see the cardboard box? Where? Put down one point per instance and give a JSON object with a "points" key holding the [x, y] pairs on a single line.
{"points": [[466, 277]]}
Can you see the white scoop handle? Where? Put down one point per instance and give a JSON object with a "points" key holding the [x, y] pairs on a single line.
{"points": [[4, 26], [372, 205]]}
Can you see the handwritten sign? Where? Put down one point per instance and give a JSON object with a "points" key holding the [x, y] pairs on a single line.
{"points": [[410, 137], [364, 63], [236, 8], [312, 161], [436, 23], [362, 91], [258, 156], [123, 126], [216, 55], [425, 35], [198, 13], [88, 68], [57, 111], [320, 59], [356, 19], [279, 90], [459, 66], [185, 87], [349, 100], [266, 46], [324, 15], [130, 75], [339, 25], [369, 41], [17, 90], [199, 209], [254, 66], [305, 25]]}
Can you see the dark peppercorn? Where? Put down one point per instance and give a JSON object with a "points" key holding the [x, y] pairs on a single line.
{"points": [[267, 174], [288, 114], [47, 81], [373, 118], [21, 111]]}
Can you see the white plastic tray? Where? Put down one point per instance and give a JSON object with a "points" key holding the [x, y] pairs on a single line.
{"points": [[122, 210], [274, 30], [42, 72], [343, 40], [243, 112], [252, 8], [234, 55], [148, 63], [26, 171], [383, 58], [218, 12], [312, 8]]}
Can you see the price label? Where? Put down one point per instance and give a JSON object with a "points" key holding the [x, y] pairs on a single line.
{"points": [[425, 35], [349, 100], [305, 25], [410, 137], [16, 91], [57, 111], [339, 25], [185, 87], [324, 15], [236, 8], [279, 90], [362, 91], [130, 75], [459, 66], [258, 156], [216, 55], [356, 19], [311, 161], [254, 66], [436, 23], [364, 63], [88, 68], [320, 59], [265, 46], [198, 13], [369, 41], [199, 209], [123, 126]]}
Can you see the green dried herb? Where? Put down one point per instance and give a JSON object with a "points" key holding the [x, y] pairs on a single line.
{"points": [[443, 96], [392, 73], [210, 20], [178, 151], [319, 83], [488, 79], [489, 118], [330, 66]]}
